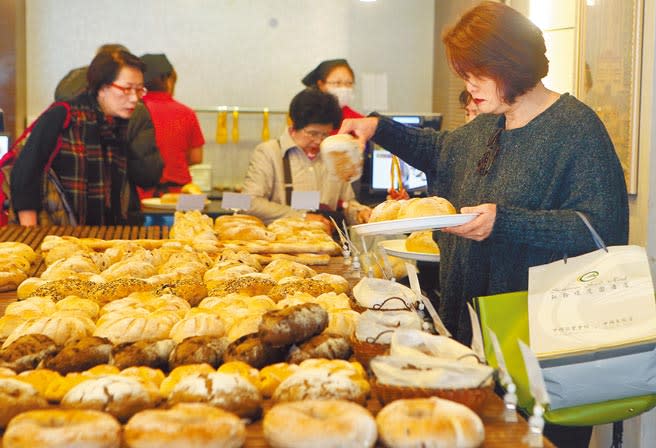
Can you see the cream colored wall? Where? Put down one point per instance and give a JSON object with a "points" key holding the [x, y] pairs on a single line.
{"points": [[248, 53]]}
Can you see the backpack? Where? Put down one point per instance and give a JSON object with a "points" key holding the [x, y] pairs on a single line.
{"points": [[56, 209]]}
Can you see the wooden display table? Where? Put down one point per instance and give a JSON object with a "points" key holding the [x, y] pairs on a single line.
{"points": [[498, 434]]}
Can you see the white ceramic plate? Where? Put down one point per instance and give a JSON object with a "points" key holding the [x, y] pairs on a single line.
{"points": [[397, 249], [410, 225], [157, 203]]}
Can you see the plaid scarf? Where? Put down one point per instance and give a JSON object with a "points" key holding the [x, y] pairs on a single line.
{"points": [[92, 164]]}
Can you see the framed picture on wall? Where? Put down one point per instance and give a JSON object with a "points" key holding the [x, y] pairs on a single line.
{"points": [[609, 73]]}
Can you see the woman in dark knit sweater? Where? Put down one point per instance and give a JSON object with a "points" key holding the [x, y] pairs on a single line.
{"points": [[527, 163]]}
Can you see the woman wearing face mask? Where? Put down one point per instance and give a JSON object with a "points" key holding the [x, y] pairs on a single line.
{"points": [[335, 76]]}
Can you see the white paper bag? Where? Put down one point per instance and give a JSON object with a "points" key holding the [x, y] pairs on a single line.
{"points": [[596, 301]]}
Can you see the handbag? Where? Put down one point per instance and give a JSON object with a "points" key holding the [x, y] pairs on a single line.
{"points": [[55, 207], [597, 385]]}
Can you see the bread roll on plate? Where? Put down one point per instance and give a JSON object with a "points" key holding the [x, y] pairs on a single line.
{"points": [[169, 198], [430, 206], [386, 211], [422, 242]]}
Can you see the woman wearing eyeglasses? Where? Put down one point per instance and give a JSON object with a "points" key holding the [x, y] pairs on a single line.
{"points": [[91, 162], [314, 115], [530, 159]]}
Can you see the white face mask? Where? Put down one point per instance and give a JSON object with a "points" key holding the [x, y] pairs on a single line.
{"points": [[344, 95]]}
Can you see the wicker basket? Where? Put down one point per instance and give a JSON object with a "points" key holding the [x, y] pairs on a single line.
{"points": [[474, 398], [365, 351], [361, 309]]}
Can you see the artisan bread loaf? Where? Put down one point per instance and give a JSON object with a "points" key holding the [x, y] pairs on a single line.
{"points": [[293, 324], [231, 392]]}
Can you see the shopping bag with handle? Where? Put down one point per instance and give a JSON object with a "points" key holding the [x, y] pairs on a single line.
{"points": [[592, 328]]}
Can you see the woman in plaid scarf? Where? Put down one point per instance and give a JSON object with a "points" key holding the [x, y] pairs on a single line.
{"points": [[91, 163]]}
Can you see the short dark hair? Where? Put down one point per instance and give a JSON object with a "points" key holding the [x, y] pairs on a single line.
{"points": [[495, 41], [104, 68], [312, 106], [159, 83], [323, 70]]}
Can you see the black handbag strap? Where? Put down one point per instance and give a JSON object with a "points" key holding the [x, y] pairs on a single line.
{"points": [[287, 170]]}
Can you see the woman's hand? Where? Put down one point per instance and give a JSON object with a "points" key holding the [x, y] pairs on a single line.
{"points": [[363, 215], [27, 217], [480, 227], [362, 128]]}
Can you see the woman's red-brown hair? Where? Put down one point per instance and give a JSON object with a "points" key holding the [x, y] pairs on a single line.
{"points": [[495, 41]]}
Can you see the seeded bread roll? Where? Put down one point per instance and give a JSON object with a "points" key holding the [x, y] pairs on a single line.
{"points": [[251, 350], [59, 289], [293, 324], [190, 289], [311, 286], [80, 355], [117, 289], [326, 346], [248, 285]]}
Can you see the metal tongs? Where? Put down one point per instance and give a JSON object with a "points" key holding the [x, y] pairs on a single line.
{"points": [[348, 248]]}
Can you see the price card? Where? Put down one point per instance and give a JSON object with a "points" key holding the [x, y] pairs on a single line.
{"points": [[477, 335], [414, 285], [501, 361], [534, 373], [191, 202], [236, 201], [305, 200]]}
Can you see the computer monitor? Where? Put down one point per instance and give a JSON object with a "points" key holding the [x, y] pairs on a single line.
{"points": [[5, 143], [378, 163], [414, 180]]}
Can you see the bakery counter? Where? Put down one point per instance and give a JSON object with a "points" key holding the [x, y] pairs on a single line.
{"points": [[163, 215], [497, 432]]}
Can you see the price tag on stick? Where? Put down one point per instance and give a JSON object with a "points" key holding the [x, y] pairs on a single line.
{"points": [[477, 335], [236, 201], [305, 200], [191, 202], [414, 285]]}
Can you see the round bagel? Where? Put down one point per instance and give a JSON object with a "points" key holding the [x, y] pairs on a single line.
{"points": [[185, 425], [319, 424], [63, 428], [430, 422]]}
